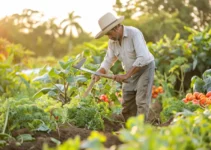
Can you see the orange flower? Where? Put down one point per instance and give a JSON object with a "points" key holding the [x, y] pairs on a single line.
{"points": [[189, 97], [160, 89], [185, 100], [208, 94], [201, 95], [203, 101], [195, 101], [196, 94]]}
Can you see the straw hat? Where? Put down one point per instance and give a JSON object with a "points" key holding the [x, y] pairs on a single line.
{"points": [[107, 22]]}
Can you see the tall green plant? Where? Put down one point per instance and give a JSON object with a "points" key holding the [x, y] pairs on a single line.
{"points": [[63, 82], [178, 69]]}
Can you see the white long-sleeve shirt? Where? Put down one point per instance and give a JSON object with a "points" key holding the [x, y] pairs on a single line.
{"points": [[132, 52]]}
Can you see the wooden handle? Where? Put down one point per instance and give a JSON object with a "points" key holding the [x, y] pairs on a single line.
{"points": [[110, 77], [89, 88], [105, 75]]}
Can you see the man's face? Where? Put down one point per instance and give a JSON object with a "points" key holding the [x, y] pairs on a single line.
{"points": [[113, 35]]}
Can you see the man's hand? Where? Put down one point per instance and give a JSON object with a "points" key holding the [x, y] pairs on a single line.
{"points": [[120, 78], [124, 77], [96, 77]]}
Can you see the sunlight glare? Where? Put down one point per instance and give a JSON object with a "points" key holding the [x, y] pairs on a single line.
{"points": [[90, 11]]}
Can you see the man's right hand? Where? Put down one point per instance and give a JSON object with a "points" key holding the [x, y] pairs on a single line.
{"points": [[96, 77]]}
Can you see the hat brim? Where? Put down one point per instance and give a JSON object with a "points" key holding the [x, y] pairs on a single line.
{"points": [[103, 32]]}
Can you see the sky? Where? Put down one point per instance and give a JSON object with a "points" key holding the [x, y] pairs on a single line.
{"points": [[89, 10]]}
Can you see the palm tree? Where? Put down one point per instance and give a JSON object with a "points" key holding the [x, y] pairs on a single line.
{"points": [[28, 20], [71, 25]]}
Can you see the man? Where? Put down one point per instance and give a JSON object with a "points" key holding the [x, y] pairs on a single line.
{"points": [[127, 44]]}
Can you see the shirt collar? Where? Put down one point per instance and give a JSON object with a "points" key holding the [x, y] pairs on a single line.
{"points": [[124, 33]]}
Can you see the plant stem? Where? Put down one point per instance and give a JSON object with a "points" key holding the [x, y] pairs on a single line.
{"points": [[6, 118]]}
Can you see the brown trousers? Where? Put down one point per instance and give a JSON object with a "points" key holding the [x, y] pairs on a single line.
{"points": [[138, 101]]}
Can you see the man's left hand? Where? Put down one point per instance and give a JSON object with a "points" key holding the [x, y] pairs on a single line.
{"points": [[120, 78]]}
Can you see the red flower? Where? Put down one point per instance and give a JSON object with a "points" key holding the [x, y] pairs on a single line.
{"points": [[104, 98]]}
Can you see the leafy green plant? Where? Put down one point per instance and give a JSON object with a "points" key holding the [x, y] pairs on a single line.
{"points": [[88, 113], [23, 113], [63, 80], [171, 106], [178, 69], [203, 84]]}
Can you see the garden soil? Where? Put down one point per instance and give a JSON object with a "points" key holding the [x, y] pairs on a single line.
{"points": [[62, 134], [67, 131]]}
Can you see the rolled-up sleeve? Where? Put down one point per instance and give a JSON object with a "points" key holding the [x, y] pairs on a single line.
{"points": [[109, 60], [143, 56]]}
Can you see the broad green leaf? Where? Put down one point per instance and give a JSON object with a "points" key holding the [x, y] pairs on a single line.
{"points": [[44, 78], [97, 59], [43, 127], [42, 92], [25, 137], [198, 38], [72, 91], [71, 60], [60, 87], [177, 37], [191, 30], [184, 67], [53, 73], [207, 85], [55, 141], [44, 69], [198, 85], [195, 62], [193, 80], [70, 79], [52, 93], [81, 78], [63, 65], [62, 73], [206, 74], [25, 82], [37, 95], [173, 68]]}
